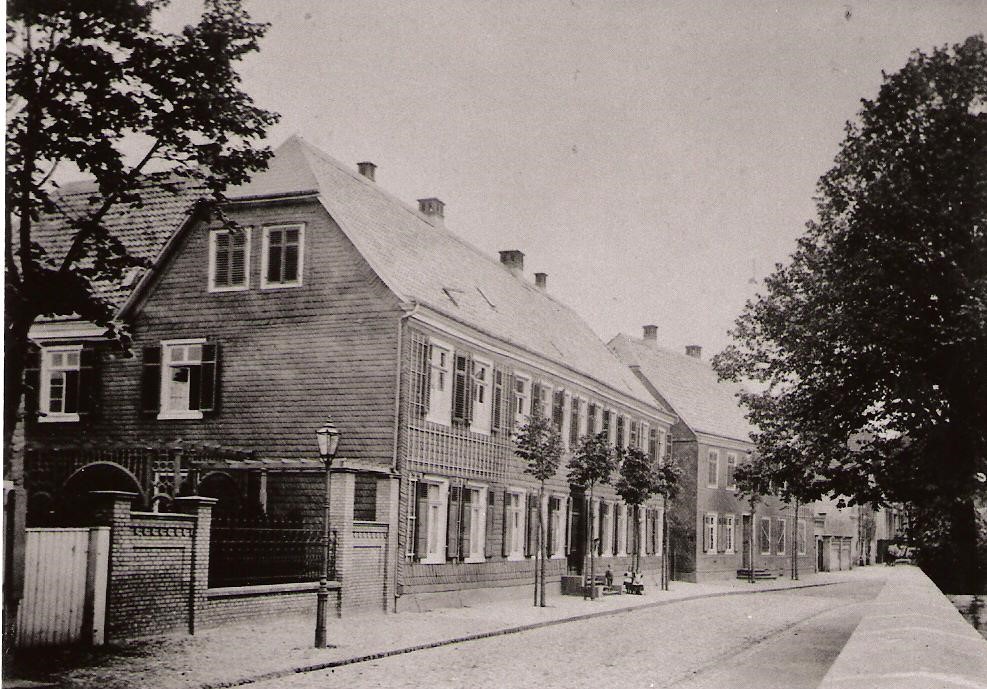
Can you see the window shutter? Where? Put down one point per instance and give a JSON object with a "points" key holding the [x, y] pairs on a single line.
{"points": [[505, 546], [558, 409], [535, 399], [421, 377], [599, 528], [531, 543], [421, 520], [453, 523], [510, 402], [32, 383], [465, 523], [462, 391], [151, 380], [88, 383], [209, 378], [488, 547], [498, 400], [568, 525]]}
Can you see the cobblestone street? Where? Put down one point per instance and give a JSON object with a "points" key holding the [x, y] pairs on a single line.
{"points": [[779, 639]]}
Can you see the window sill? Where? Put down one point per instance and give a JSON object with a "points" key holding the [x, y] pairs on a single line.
{"points": [[433, 561], [516, 557], [281, 285], [58, 418], [212, 289], [474, 560], [479, 431], [439, 422], [178, 415]]}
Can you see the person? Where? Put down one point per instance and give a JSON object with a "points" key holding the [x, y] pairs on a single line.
{"points": [[608, 577], [628, 582], [637, 583]]}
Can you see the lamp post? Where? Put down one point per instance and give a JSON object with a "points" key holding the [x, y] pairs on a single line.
{"points": [[328, 437]]}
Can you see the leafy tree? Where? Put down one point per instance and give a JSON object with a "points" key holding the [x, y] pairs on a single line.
{"points": [[538, 443], [86, 81], [592, 463], [754, 482], [877, 327]]}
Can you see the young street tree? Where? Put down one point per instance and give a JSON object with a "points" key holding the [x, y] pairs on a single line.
{"points": [[539, 444], [754, 482], [592, 463], [877, 327]]}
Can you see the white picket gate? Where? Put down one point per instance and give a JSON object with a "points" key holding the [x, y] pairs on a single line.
{"points": [[65, 581]]}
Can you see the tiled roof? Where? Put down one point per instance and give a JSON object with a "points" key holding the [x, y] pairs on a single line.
{"points": [[690, 386], [421, 261], [143, 229]]}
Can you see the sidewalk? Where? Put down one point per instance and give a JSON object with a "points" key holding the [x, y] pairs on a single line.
{"points": [[236, 654]]}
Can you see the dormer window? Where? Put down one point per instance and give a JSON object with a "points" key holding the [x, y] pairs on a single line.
{"points": [[283, 256], [229, 260]]}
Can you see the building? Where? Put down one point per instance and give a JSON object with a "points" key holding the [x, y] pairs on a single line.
{"points": [[332, 298], [713, 531]]}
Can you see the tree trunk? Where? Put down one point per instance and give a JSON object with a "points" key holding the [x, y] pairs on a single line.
{"points": [[664, 551], [542, 533], [537, 551], [592, 546], [750, 572], [795, 542]]}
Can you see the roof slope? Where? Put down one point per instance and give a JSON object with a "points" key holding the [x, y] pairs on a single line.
{"points": [[423, 262], [690, 385], [143, 228]]}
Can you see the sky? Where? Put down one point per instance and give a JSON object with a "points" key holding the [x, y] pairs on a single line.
{"points": [[653, 158]]}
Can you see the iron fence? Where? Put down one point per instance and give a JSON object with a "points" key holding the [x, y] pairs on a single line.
{"points": [[254, 551]]}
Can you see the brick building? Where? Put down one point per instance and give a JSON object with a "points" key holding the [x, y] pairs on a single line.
{"points": [[712, 530], [335, 299]]}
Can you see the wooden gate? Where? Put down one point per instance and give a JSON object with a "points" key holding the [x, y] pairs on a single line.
{"points": [[65, 583]]}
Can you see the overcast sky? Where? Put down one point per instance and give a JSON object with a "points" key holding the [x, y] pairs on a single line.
{"points": [[650, 157]]}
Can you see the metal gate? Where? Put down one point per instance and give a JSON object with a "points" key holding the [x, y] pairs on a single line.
{"points": [[65, 583]]}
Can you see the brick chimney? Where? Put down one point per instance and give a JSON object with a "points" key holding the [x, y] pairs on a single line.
{"points": [[432, 207], [367, 169], [695, 351], [541, 281], [651, 334], [513, 260]]}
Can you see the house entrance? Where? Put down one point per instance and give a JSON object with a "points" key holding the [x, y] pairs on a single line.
{"points": [[819, 556], [748, 542], [577, 535]]}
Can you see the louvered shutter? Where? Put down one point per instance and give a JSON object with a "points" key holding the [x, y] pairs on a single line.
{"points": [[411, 522], [498, 400], [535, 400], [89, 383], [453, 523], [151, 380], [531, 544], [488, 541], [466, 523], [510, 403], [568, 525], [421, 520], [505, 547], [462, 391], [32, 383], [558, 409], [209, 378], [421, 377]]}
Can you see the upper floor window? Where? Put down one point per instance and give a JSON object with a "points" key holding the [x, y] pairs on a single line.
{"points": [[522, 400], [591, 419], [712, 469], [634, 437], [540, 399], [662, 448], [60, 383], [283, 256], [440, 392], [558, 409], [653, 444], [482, 404], [620, 441], [179, 379], [731, 469], [229, 259], [574, 422]]}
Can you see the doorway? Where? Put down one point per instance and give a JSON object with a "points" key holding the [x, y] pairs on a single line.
{"points": [[577, 531], [748, 542]]}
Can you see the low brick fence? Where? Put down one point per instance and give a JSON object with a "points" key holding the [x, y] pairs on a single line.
{"points": [[911, 636]]}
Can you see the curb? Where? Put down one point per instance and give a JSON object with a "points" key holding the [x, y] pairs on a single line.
{"points": [[328, 665]]}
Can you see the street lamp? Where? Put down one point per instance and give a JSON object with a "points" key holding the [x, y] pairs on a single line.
{"points": [[328, 437]]}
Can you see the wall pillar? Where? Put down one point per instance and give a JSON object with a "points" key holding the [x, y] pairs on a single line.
{"points": [[341, 522], [200, 508], [112, 508]]}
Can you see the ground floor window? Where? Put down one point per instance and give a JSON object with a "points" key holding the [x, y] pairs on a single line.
{"points": [[474, 526], [729, 534], [780, 536], [556, 526], [620, 533], [764, 536], [514, 525], [709, 532], [428, 520], [801, 536]]}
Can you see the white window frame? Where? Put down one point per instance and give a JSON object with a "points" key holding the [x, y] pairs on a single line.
{"points": [[545, 401], [731, 461], [711, 457], [710, 527], [659, 532], [265, 257], [213, 287], [730, 534], [436, 555], [562, 517], [166, 349], [780, 521], [44, 396], [761, 520], [440, 401], [662, 439], [478, 539], [482, 387], [622, 529], [522, 399], [519, 533], [643, 435]]}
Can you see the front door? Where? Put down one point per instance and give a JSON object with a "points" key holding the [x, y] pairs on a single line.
{"points": [[748, 543], [819, 555], [577, 531]]}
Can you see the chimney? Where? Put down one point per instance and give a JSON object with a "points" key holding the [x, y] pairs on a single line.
{"points": [[432, 207], [513, 260], [651, 334], [695, 351], [541, 281], [367, 169]]}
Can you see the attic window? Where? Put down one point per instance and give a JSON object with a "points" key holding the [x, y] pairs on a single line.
{"points": [[229, 259], [284, 247]]}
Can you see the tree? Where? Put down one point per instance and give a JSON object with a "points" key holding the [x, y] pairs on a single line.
{"points": [[592, 463], [668, 485], [754, 481], [88, 80], [539, 444], [877, 327]]}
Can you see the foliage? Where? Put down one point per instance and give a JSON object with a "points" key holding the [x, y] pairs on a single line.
{"points": [[539, 444], [88, 81], [754, 479], [638, 477], [593, 461], [875, 331]]}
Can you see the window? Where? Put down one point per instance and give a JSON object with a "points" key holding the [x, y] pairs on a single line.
{"points": [[801, 536], [653, 444], [731, 468], [61, 383], [474, 527], [634, 438], [514, 527], [482, 403], [522, 400], [283, 254], [498, 422], [558, 409], [606, 529], [729, 534], [764, 536], [365, 498], [556, 527], [620, 442], [709, 532], [591, 419], [621, 529], [662, 447], [540, 402], [574, 422], [440, 392], [642, 441], [605, 427], [659, 530], [229, 260], [780, 536], [712, 469], [186, 384], [429, 521]]}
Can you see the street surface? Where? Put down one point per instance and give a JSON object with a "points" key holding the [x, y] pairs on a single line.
{"points": [[784, 640]]}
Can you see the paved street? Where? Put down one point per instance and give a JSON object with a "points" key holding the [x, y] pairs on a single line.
{"points": [[782, 639]]}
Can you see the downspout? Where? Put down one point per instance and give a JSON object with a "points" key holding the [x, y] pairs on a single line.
{"points": [[398, 559]]}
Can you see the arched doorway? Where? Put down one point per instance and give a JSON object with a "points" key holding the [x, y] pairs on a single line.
{"points": [[75, 508], [222, 486]]}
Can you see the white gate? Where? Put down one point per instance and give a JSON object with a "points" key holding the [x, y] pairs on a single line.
{"points": [[65, 582]]}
